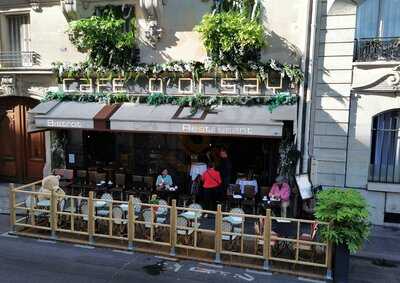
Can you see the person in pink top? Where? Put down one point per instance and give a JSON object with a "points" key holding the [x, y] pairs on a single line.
{"points": [[280, 190]]}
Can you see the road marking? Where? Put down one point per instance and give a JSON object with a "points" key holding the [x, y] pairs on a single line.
{"points": [[244, 276], [166, 258], [258, 272], [310, 280], [210, 265], [7, 235], [46, 241], [177, 267], [123, 252], [84, 247]]}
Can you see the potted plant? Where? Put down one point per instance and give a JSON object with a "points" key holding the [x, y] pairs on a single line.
{"points": [[347, 212], [155, 201]]}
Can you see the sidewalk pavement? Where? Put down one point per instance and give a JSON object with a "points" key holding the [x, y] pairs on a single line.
{"points": [[383, 243], [4, 189], [4, 197]]}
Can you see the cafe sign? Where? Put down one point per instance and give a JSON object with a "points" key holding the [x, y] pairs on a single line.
{"points": [[63, 123], [7, 85], [179, 85], [216, 130]]}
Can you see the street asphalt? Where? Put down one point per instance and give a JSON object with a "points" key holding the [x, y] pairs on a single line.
{"points": [[36, 261]]}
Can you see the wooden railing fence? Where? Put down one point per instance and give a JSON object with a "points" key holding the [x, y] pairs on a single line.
{"points": [[77, 217]]}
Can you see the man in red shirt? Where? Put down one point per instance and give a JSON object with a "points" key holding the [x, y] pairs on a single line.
{"points": [[211, 182]]}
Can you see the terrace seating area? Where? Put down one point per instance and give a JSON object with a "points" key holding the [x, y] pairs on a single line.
{"points": [[152, 224]]}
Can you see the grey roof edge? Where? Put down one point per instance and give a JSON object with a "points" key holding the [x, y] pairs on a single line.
{"points": [[44, 107]]}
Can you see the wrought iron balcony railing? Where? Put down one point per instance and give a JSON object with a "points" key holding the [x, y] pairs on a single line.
{"points": [[377, 49], [10, 59]]}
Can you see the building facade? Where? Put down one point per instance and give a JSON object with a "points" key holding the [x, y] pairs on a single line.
{"points": [[354, 108], [34, 36]]}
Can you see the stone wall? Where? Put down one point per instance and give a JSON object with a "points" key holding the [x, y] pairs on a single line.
{"points": [[331, 92]]}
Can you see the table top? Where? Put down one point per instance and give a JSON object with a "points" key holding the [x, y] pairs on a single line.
{"points": [[190, 215], [234, 220], [100, 203], [43, 202]]}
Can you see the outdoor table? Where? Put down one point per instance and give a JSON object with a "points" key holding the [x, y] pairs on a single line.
{"points": [[243, 182], [196, 169], [43, 203], [274, 205], [234, 220], [191, 215]]}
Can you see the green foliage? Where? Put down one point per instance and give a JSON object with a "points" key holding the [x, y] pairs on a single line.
{"points": [[154, 201], [196, 102], [281, 99], [195, 69], [231, 38], [347, 211], [106, 40]]}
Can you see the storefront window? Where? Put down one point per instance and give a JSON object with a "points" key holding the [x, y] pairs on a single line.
{"points": [[385, 152]]}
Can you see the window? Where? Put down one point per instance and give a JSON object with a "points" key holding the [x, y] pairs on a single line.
{"points": [[378, 18], [18, 31], [385, 151]]}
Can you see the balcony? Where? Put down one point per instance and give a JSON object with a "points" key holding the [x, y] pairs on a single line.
{"points": [[18, 59], [377, 49]]}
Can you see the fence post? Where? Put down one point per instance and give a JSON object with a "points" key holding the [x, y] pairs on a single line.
{"points": [[218, 234], [267, 239], [172, 228], [53, 213], [91, 217], [32, 206], [131, 217], [329, 258], [12, 207]]}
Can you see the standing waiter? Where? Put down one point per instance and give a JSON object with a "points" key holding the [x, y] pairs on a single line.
{"points": [[211, 183]]}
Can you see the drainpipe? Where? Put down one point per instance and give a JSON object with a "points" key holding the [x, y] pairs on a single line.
{"points": [[306, 87]]}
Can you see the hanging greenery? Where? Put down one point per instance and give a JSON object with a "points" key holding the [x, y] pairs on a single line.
{"points": [[194, 101], [232, 33], [106, 38], [194, 69], [231, 38]]}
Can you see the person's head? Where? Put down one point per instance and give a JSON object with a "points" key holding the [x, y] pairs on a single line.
{"points": [[211, 165], [164, 172], [223, 153], [280, 179]]}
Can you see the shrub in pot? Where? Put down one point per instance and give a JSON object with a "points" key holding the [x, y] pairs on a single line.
{"points": [[347, 212]]}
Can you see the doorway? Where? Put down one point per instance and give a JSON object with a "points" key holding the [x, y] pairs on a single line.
{"points": [[22, 154]]}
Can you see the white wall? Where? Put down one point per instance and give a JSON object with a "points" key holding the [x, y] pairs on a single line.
{"points": [[286, 30]]}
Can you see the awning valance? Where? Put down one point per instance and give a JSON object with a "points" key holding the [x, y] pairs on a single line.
{"points": [[223, 120], [69, 115], [226, 120]]}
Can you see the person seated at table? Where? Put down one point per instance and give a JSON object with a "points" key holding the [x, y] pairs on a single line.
{"points": [[281, 191], [164, 180], [211, 182]]}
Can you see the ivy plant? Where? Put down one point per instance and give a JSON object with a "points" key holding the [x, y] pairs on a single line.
{"points": [[231, 38], [106, 39], [347, 211]]}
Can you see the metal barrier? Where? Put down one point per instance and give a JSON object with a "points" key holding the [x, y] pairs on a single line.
{"points": [[177, 231]]}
